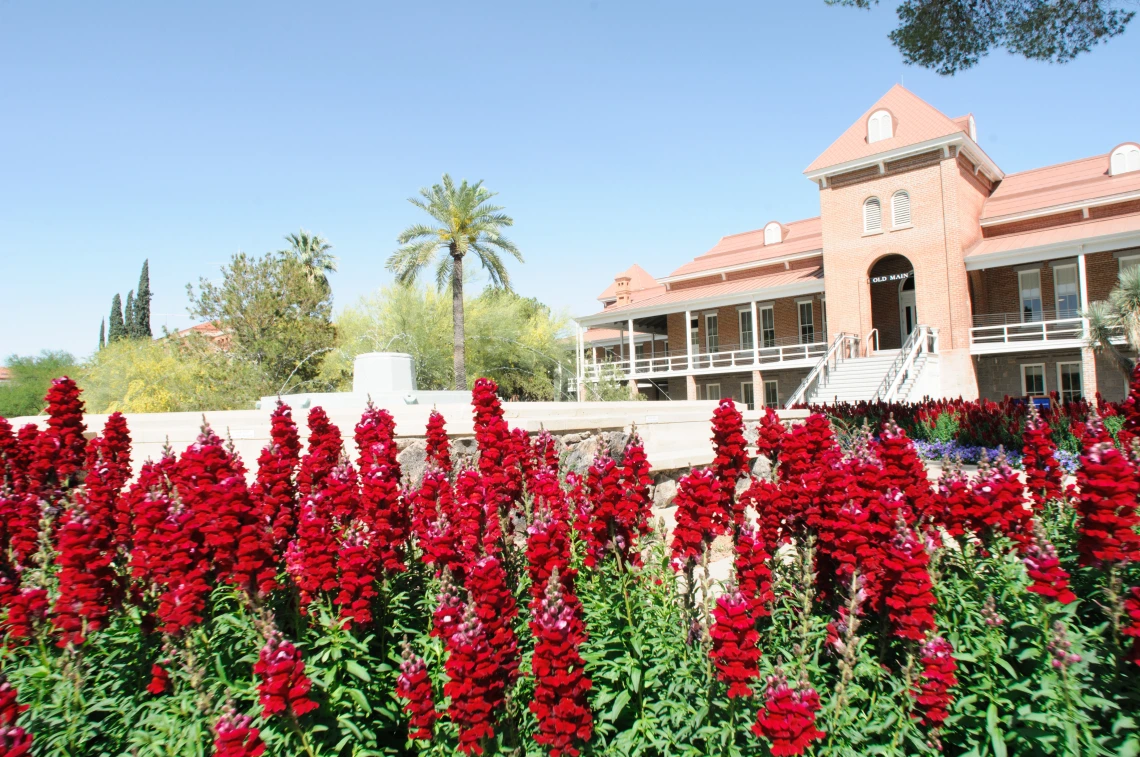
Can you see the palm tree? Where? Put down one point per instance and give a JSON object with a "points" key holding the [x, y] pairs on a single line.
{"points": [[465, 222], [312, 251], [1120, 314]]}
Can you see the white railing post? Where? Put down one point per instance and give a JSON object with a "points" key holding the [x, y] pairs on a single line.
{"points": [[755, 336], [689, 337], [632, 350]]}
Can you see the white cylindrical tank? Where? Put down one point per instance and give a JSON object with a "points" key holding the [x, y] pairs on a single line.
{"points": [[380, 372]]}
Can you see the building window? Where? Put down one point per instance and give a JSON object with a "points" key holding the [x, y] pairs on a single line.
{"points": [[712, 391], [872, 215], [880, 126], [747, 395], [900, 209], [807, 323], [1125, 159], [1033, 380], [746, 333], [712, 338], [773, 234], [695, 335], [1130, 261], [767, 326], [771, 393], [1069, 381], [1029, 284], [1068, 293]]}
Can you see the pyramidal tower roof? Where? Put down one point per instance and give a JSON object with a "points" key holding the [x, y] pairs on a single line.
{"points": [[913, 119]]}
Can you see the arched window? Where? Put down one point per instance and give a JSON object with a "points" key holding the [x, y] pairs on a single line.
{"points": [[900, 209], [872, 215], [773, 234], [1125, 158], [880, 126]]}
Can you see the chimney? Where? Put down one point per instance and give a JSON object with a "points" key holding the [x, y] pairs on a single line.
{"points": [[621, 287]]}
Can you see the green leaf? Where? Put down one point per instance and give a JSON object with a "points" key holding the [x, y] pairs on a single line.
{"points": [[620, 702], [997, 738], [357, 670]]}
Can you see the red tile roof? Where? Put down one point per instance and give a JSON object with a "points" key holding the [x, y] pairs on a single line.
{"points": [[914, 119], [748, 247], [1061, 184], [639, 280], [1056, 235], [5, 374], [768, 281]]}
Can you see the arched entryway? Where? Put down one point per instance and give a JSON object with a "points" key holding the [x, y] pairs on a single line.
{"points": [[894, 311]]}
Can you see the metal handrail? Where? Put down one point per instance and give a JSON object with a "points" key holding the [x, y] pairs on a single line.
{"points": [[922, 339], [867, 341], [823, 367]]}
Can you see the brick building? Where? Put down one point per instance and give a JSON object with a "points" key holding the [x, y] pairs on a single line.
{"points": [[929, 271]]}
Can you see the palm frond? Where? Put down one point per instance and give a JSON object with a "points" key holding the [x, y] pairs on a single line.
{"points": [[409, 260]]}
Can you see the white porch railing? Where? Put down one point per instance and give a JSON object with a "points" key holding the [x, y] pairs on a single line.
{"points": [[677, 362], [924, 339], [845, 347], [1000, 336]]}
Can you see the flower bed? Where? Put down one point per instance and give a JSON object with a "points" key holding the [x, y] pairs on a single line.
{"points": [[321, 606]]}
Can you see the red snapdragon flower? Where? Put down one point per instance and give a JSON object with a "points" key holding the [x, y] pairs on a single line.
{"points": [[1130, 409], [495, 607], [325, 448], [274, 491], [547, 550], [65, 423], [180, 565], [730, 461], [284, 687], [769, 433], [734, 650], [476, 515], [88, 584], [546, 451], [777, 519], [903, 467], [375, 437], [432, 498], [700, 516], [234, 736], [1038, 457], [14, 740], [11, 463], [753, 574], [438, 445], [356, 565], [474, 684], [1108, 489], [387, 511], [1049, 579], [1132, 610], [414, 685], [27, 609], [22, 514], [932, 692], [908, 589], [159, 680], [561, 688], [311, 556], [788, 717], [498, 456]]}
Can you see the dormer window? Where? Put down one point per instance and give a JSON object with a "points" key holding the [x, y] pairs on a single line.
{"points": [[1125, 159], [880, 126], [773, 234], [872, 215]]}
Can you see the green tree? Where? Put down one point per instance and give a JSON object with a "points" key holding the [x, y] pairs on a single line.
{"points": [[1117, 317], [168, 375], [23, 393], [313, 252], [465, 221], [117, 329], [516, 341], [129, 324], [142, 304], [948, 36], [276, 317], [102, 333]]}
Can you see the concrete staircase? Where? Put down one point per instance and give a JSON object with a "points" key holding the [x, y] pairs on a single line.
{"points": [[914, 388], [855, 379]]}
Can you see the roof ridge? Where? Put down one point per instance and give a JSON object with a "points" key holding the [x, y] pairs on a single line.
{"points": [[1056, 165]]}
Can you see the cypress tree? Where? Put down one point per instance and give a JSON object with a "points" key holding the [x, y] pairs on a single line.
{"points": [[102, 333], [129, 316], [116, 329], [142, 304]]}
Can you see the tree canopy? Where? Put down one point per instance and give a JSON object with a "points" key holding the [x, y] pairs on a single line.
{"points": [[23, 393], [948, 36]]}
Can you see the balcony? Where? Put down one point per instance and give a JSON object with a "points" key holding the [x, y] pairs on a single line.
{"points": [[1012, 332], [781, 353]]}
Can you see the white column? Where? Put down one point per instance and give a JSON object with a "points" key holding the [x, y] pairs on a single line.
{"points": [[689, 337], [1089, 383], [1084, 279], [578, 363], [755, 339], [632, 349]]}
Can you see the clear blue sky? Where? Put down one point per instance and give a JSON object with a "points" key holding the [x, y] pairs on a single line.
{"points": [[614, 132]]}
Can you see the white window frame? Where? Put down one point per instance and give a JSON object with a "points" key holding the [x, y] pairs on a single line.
{"points": [[773, 234], [708, 393], [875, 124], [745, 310], [1061, 384], [1044, 380], [1021, 296], [1057, 293], [1126, 261], [709, 333], [1120, 158], [800, 319], [776, 383], [771, 308], [695, 334], [909, 211], [867, 228], [746, 388]]}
